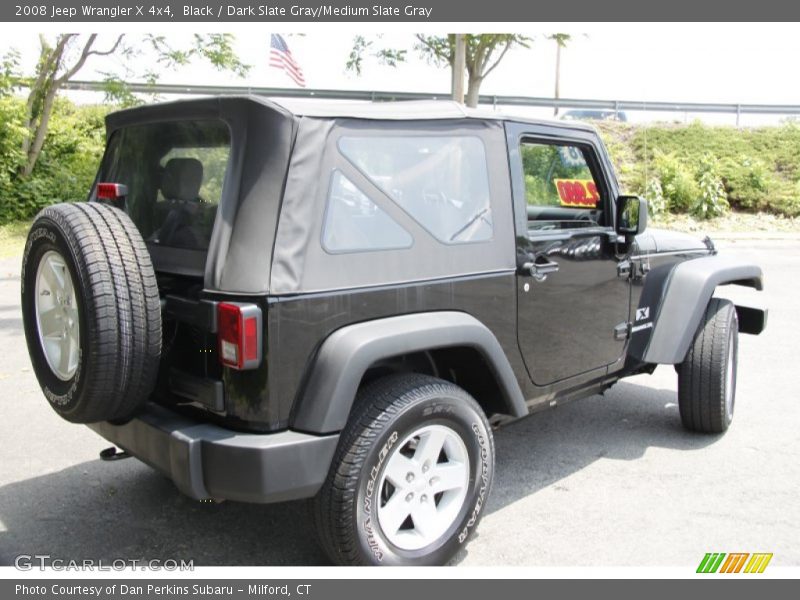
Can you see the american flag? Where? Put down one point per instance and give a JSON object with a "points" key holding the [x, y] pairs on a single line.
{"points": [[280, 57]]}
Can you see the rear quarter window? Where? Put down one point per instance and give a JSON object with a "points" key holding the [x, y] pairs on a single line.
{"points": [[442, 182], [354, 223]]}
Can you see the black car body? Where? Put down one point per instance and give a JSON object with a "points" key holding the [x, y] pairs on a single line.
{"points": [[373, 239]]}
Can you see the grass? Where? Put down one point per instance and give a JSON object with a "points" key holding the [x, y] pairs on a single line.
{"points": [[12, 238]]}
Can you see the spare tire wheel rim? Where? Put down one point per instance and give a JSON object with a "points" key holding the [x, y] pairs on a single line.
{"points": [[423, 487], [57, 318]]}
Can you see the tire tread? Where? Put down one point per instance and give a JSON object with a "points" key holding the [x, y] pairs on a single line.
{"points": [[701, 376]]}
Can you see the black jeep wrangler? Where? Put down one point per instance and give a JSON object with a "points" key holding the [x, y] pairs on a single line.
{"points": [[270, 301]]}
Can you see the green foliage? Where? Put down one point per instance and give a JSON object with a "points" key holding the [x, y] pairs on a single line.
{"points": [[215, 48], [677, 182], [752, 169], [66, 167], [712, 201], [541, 164], [118, 92], [747, 180], [654, 194], [438, 49], [9, 72], [390, 57], [687, 188]]}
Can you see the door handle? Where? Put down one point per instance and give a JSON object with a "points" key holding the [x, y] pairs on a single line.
{"points": [[540, 271]]}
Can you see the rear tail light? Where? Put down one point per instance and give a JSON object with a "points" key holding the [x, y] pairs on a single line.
{"points": [[111, 191], [239, 332]]}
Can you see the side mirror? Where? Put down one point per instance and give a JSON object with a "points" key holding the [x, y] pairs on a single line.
{"points": [[631, 215]]}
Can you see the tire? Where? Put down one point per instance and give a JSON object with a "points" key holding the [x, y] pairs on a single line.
{"points": [[88, 287], [707, 376], [391, 419]]}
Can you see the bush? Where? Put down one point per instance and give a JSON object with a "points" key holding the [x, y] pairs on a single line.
{"points": [[712, 201], [654, 194], [678, 183], [66, 167], [747, 181], [758, 168]]}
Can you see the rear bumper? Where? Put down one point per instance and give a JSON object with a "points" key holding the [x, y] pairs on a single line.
{"points": [[206, 461]]}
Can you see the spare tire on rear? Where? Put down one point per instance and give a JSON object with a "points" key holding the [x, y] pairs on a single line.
{"points": [[91, 311]]}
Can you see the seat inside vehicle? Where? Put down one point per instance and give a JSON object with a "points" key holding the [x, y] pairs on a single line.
{"points": [[181, 179]]}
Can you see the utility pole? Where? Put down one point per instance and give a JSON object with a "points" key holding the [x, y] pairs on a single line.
{"points": [[459, 65], [558, 75]]}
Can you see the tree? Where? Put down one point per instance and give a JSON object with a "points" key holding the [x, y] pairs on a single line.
{"points": [[62, 59], [482, 53], [561, 40]]}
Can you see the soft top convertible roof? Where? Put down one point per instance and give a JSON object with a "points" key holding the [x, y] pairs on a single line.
{"points": [[405, 110], [290, 179]]}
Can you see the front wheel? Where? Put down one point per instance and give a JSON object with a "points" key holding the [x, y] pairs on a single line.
{"points": [[707, 376], [411, 475]]}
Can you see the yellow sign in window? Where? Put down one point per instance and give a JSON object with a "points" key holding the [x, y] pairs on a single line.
{"points": [[577, 193]]}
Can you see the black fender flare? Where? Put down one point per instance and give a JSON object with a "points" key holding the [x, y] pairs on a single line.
{"points": [[684, 297], [343, 358]]}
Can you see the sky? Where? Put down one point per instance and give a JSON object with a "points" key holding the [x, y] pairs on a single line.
{"points": [[726, 63]]}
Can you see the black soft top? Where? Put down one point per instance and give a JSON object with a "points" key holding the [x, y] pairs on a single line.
{"points": [[290, 108], [265, 237]]}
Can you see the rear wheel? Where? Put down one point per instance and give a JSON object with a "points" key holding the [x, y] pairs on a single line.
{"points": [[707, 376], [91, 312], [411, 475]]}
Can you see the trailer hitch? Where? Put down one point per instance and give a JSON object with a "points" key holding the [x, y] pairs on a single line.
{"points": [[113, 454]]}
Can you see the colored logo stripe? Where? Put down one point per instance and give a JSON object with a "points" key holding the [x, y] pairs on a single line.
{"points": [[734, 562], [758, 563], [713, 562]]}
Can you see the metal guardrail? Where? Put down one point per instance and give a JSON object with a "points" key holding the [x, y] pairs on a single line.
{"points": [[377, 96]]}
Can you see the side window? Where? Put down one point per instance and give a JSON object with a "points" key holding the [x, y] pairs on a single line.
{"points": [[560, 190], [441, 182], [355, 223]]}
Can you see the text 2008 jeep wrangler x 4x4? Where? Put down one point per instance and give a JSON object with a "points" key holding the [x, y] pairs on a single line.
{"points": [[270, 301]]}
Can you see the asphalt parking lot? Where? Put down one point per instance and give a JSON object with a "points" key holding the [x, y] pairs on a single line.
{"points": [[612, 480]]}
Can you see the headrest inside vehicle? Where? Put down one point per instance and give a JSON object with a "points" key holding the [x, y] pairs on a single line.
{"points": [[181, 179]]}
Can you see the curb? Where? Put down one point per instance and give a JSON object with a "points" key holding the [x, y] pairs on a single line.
{"points": [[778, 236]]}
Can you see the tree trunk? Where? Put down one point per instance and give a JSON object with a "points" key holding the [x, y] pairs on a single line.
{"points": [[459, 64], [473, 90], [49, 62], [39, 133]]}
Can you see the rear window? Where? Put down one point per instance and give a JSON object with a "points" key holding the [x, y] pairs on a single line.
{"points": [[175, 174]]}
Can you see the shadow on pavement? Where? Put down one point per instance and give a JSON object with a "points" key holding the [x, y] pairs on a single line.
{"points": [[107, 511]]}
